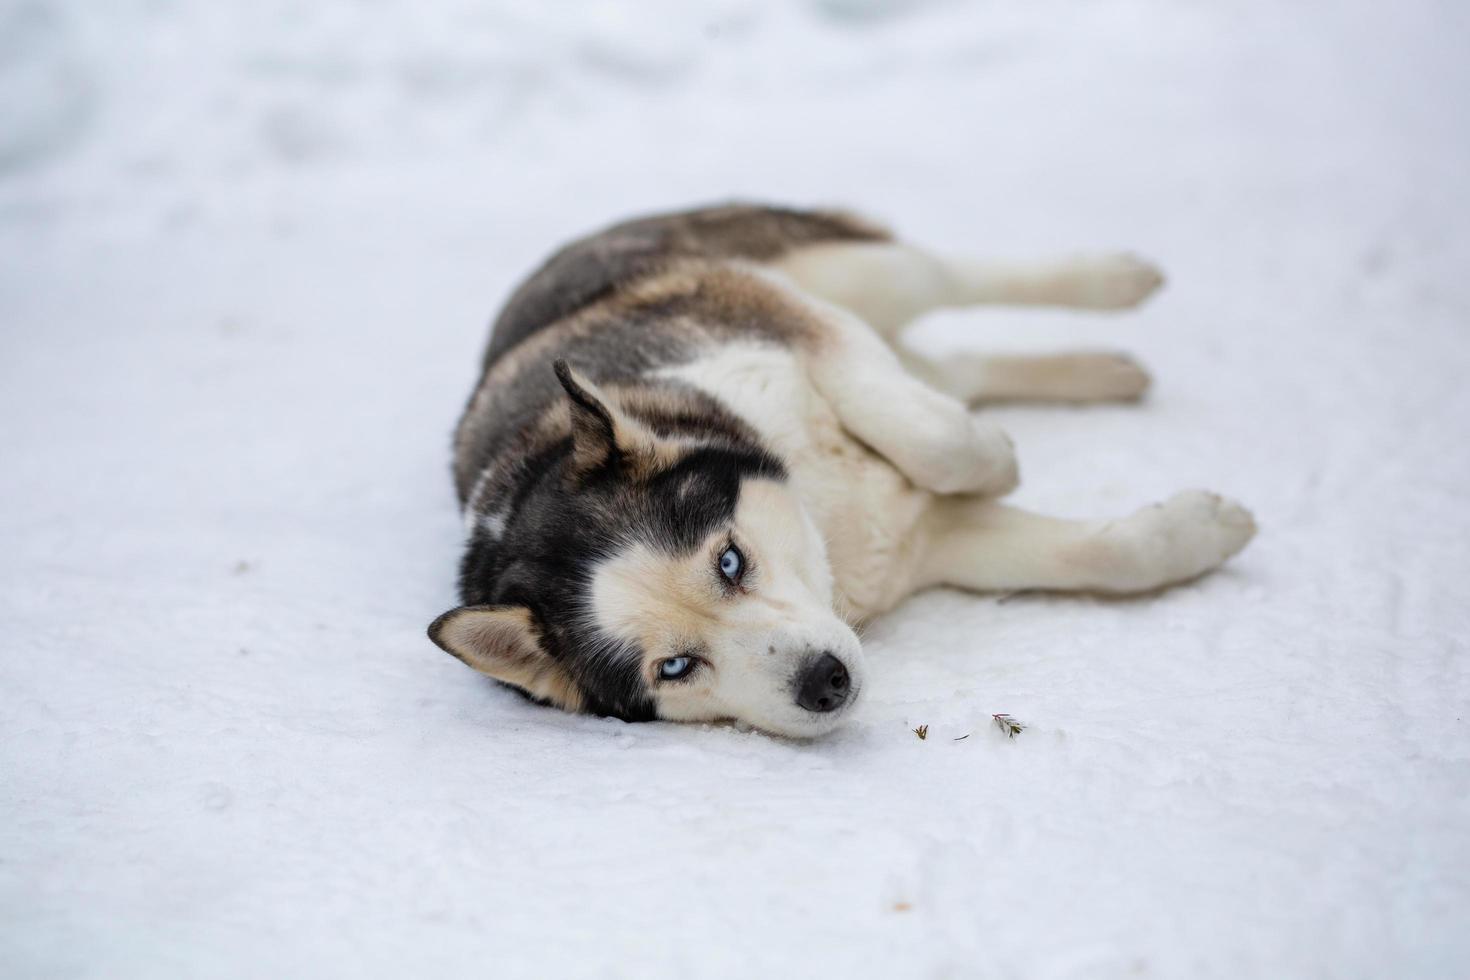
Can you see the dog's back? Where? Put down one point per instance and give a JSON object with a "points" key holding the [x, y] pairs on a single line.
{"points": [[598, 266], [618, 305]]}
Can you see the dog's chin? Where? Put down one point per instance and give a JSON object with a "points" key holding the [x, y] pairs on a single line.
{"points": [[808, 724]]}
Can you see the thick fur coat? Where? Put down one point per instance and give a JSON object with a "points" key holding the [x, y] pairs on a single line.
{"points": [[697, 455]]}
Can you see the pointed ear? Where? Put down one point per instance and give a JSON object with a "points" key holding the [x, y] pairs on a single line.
{"points": [[601, 432], [501, 641]]}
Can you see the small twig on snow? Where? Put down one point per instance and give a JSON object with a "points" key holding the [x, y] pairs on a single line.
{"points": [[1007, 724]]}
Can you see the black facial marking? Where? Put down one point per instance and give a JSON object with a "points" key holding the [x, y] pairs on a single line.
{"points": [[557, 532], [697, 496]]}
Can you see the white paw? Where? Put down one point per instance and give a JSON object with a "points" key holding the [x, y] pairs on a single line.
{"points": [[1114, 281], [1183, 537], [984, 463]]}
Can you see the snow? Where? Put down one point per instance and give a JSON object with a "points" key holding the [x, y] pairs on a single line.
{"points": [[247, 257]]}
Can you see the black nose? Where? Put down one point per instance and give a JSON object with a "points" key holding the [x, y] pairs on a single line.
{"points": [[824, 685]]}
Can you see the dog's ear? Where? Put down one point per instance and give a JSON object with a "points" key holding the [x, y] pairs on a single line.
{"points": [[601, 432], [501, 641]]}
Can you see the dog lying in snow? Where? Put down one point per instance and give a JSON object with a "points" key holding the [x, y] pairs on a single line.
{"points": [[697, 456]]}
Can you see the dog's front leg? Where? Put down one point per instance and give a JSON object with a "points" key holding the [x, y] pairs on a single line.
{"points": [[982, 545], [929, 436]]}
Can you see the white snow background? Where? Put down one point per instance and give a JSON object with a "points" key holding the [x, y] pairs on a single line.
{"points": [[248, 253]]}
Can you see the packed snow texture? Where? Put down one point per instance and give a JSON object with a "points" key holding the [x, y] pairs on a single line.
{"points": [[248, 252]]}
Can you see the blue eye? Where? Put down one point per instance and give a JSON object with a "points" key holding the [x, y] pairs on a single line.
{"points": [[675, 667], [732, 563]]}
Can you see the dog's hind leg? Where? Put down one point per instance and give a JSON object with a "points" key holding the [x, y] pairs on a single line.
{"points": [[973, 543], [1074, 376], [891, 283]]}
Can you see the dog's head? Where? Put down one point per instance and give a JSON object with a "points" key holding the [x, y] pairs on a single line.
{"points": [[646, 575]]}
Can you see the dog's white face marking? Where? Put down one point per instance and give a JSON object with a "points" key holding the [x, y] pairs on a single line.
{"points": [[739, 629]]}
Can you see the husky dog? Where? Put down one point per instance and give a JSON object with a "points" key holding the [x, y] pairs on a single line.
{"points": [[697, 457]]}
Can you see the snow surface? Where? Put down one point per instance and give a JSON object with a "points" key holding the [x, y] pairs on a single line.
{"points": [[247, 256]]}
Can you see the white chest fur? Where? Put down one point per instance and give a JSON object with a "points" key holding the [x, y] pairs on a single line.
{"points": [[865, 509]]}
